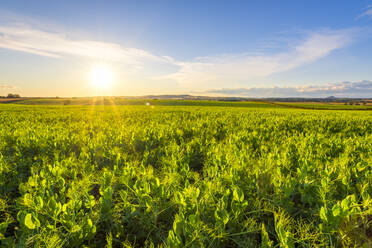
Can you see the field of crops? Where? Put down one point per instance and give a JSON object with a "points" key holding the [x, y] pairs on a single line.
{"points": [[176, 176], [172, 102], [321, 106], [153, 102]]}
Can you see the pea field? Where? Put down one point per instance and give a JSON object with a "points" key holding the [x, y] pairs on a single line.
{"points": [[184, 176]]}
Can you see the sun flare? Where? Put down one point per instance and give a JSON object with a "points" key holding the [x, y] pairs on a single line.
{"points": [[101, 77]]}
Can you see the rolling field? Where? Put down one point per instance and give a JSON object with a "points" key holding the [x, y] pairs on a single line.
{"points": [[172, 102], [321, 106], [122, 101], [224, 175]]}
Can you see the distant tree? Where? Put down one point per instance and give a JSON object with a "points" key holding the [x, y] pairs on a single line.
{"points": [[10, 95]]}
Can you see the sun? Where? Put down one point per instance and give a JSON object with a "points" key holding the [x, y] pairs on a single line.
{"points": [[101, 77]]}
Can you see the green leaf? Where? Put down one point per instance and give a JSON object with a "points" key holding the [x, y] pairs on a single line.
{"points": [[323, 215], [89, 222], [61, 181], [40, 202], [345, 203], [75, 228], [29, 223], [178, 227], [238, 195], [222, 215], [193, 219], [336, 210], [345, 181], [3, 227], [157, 182], [52, 204], [197, 193]]}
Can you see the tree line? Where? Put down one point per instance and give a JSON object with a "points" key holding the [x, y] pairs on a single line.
{"points": [[11, 95]]}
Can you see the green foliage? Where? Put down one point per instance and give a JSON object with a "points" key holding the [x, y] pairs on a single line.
{"points": [[140, 176]]}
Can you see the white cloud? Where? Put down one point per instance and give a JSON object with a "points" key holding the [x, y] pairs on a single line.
{"points": [[55, 44], [343, 89], [199, 74], [367, 12], [215, 71]]}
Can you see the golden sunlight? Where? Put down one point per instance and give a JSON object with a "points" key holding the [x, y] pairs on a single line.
{"points": [[101, 76]]}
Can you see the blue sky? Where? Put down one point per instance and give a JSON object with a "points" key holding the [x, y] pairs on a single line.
{"points": [[243, 48]]}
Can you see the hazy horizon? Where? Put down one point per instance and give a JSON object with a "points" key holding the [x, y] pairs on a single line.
{"points": [[122, 48]]}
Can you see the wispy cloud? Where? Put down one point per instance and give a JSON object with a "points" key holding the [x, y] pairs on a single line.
{"points": [[217, 70], [367, 12], [6, 86], [343, 89], [198, 74], [55, 44]]}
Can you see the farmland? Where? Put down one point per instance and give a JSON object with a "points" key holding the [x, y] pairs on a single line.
{"points": [[262, 103], [222, 175]]}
